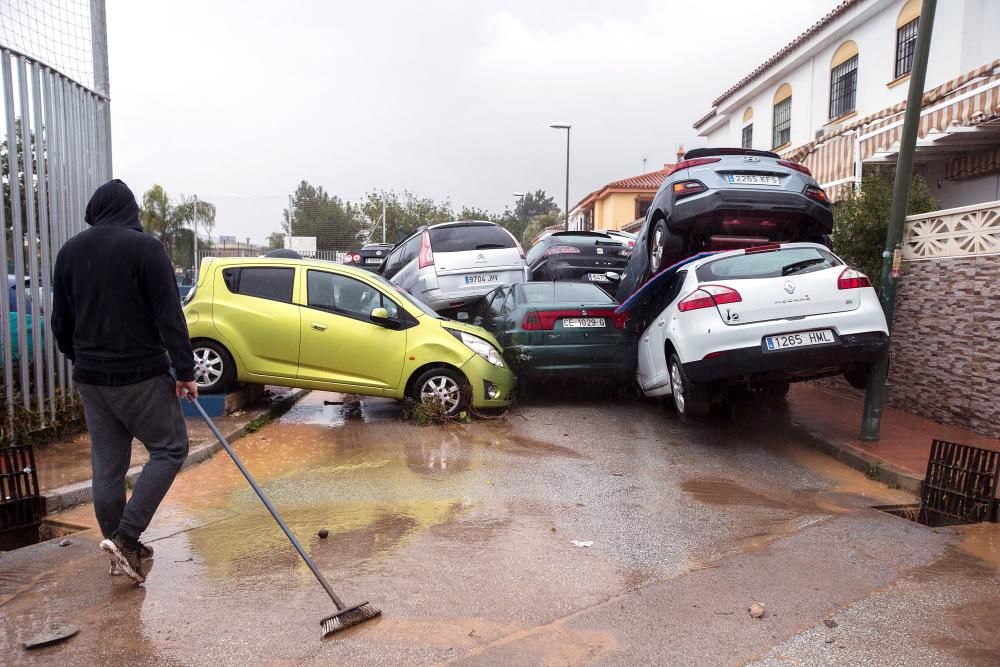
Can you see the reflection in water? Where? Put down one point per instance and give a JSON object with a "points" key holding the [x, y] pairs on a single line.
{"points": [[445, 453]]}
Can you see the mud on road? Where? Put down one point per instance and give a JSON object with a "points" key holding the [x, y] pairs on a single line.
{"points": [[467, 537]]}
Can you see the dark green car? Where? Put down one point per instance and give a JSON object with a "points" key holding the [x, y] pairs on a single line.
{"points": [[552, 329]]}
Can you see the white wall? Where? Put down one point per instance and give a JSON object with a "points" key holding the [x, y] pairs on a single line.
{"points": [[965, 36]]}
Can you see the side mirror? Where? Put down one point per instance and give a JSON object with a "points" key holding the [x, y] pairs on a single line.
{"points": [[380, 316]]}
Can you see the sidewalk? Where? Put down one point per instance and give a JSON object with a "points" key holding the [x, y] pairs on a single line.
{"points": [[833, 421], [64, 473]]}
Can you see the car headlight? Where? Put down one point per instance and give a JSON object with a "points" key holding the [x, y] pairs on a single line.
{"points": [[480, 346]]}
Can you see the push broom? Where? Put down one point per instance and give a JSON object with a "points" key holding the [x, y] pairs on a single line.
{"points": [[346, 616]]}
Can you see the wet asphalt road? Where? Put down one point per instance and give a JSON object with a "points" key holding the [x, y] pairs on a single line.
{"points": [[464, 536]]}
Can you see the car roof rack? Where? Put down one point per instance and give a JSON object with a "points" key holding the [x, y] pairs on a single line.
{"points": [[710, 152]]}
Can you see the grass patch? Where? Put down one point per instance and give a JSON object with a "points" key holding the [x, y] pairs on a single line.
{"points": [[257, 423]]}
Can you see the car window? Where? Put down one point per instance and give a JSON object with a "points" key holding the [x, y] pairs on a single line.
{"points": [[263, 282], [496, 303], [346, 296], [536, 292], [774, 264], [581, 292], [397, 259], [669, 294], [469, 237]]}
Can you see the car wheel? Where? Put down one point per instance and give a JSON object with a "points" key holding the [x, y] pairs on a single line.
{"points": [[857, 376], [443, 387], [665, 247], [214, 369], [689, 398]]}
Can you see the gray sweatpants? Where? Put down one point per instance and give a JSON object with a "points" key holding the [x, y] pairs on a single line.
{"points": [[146, 410]]}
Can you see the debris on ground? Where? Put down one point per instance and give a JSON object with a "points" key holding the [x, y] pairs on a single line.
{"points": [[65, 543], [56, 632], [830, 623], [579, 543], [323, 533], [756, 610]]}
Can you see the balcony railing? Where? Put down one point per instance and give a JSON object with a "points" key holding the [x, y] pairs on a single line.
{"points": [[955, 232]]}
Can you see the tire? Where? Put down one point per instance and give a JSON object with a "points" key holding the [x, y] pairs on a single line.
{"points": [[445, 386], [689, 399], [857, 376], [214, 368], [664, 248]]}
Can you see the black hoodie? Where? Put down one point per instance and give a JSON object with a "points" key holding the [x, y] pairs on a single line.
{"points": [[116, 311]]}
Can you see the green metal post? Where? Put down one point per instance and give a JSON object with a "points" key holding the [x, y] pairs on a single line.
{"points": [[877, 379]]}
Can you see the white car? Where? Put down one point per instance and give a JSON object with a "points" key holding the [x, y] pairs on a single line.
{"points": [[453, 265], [760, 317]]}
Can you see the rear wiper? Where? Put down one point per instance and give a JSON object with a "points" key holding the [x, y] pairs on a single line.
{"points": [[486, 246], [789, 269]]}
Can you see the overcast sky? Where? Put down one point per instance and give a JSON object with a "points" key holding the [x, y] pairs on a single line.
{"points": [[237, 101]]}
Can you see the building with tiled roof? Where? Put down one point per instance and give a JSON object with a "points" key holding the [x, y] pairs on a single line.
{"points": [[833, 98], [618, 203]]}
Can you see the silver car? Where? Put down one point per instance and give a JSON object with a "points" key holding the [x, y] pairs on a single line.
{"points": [[453, 265]]}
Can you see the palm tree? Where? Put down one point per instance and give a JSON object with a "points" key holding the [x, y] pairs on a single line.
{"points": [[167, 221]]}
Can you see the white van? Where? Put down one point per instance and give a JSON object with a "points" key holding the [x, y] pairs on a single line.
{"points": [[453, 265]]}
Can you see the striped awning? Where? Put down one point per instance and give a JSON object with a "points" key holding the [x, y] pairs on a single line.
{"points": [[964, 101], [971, 165]]}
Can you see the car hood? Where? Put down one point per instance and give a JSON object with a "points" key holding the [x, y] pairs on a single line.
{"points": [[471, 329]]}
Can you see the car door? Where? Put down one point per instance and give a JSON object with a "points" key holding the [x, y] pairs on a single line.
{"points": [[652, 362], [491, 317], [254, 313], [340, 343]]}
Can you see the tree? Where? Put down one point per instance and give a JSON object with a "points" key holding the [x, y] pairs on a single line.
{"points": [[172, 223], [531, 205], [537, 224], [336, 224], [861, 221], [5, 170], [275, 240], [404, 214]]}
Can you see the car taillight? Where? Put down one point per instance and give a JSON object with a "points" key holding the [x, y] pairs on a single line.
{"points": [[561, 250], [625, 252], [426, 256], [531, 322], [357, 258], [852, 279], [687, 164], [796, 166], [631, 243], [817, 193], [685, 188], [707, 296]]}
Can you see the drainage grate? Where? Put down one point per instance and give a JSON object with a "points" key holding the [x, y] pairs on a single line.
{"points": [[961, 482], [21, 507]]}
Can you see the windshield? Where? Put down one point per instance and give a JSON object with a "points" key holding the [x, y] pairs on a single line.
{"points": [[470, 237], [424, 308], [563, 291], [784, 262]]}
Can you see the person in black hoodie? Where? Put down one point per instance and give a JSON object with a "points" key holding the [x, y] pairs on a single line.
{"points": [[117, 316]]}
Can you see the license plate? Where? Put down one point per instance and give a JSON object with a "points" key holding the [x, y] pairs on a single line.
{"points": [[598, 278], [482, 278], [373, 260], [583, 322], [800, 339], [747, 179]]}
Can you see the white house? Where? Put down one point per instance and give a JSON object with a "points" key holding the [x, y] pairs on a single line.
{"points": [[834, 97]]}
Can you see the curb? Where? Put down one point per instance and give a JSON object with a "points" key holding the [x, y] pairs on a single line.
{"points": [[874, 466], [82, 492]]}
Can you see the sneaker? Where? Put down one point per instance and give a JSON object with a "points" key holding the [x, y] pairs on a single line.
{"points": [[145, 554], [128, 560]]}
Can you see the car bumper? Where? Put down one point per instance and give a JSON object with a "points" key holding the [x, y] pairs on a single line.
{"points": [[712, 207], [580, 360], [577, 271], [794, 363], [482, 376]]}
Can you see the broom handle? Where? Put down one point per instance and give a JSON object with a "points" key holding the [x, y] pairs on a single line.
{"points": [[267, 503]]}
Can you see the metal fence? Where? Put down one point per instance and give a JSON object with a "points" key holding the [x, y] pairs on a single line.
{"points": [[56, 150]]}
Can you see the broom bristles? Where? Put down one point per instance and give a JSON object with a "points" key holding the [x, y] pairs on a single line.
{"points": [[349, 618]]}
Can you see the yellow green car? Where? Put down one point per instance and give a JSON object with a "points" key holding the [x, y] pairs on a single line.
{"points": [[320, 325]]}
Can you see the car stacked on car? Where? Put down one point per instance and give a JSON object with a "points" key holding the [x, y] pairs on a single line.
{"points": [[729, 286]]}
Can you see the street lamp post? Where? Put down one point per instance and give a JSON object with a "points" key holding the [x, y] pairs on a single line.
{"points": [[565, 126]]}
